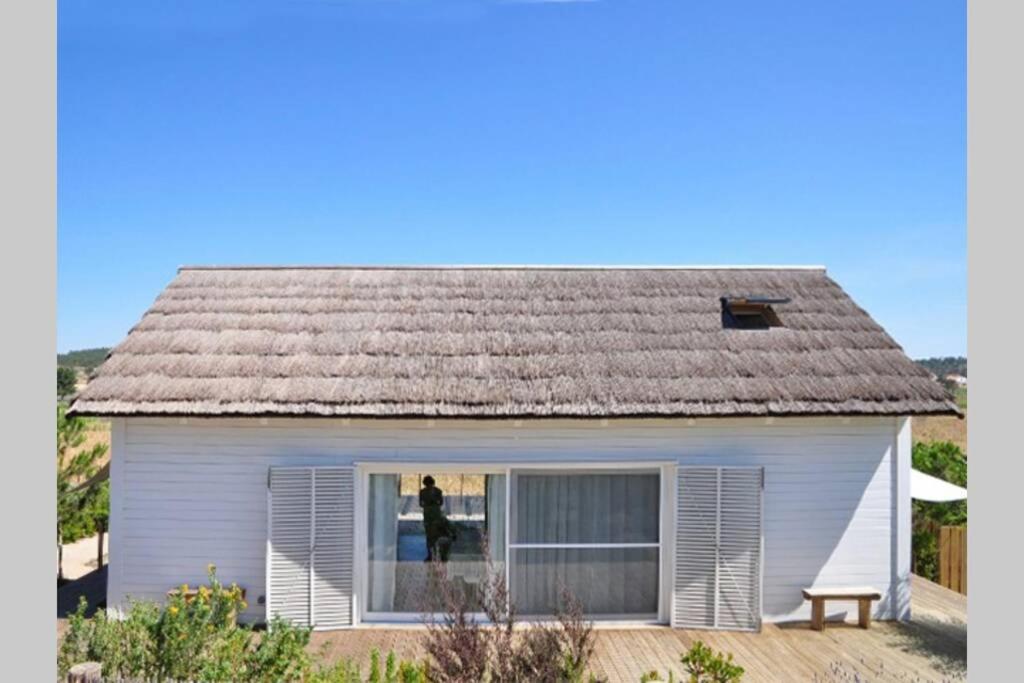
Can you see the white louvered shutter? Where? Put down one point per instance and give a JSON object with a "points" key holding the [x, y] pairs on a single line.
{"points": [[717, 581], [333, 546], [696, 531], [291, 531], [739, 548], [311, 545]]}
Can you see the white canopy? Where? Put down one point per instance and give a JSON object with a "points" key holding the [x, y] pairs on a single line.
{"points": [[934, 490]]}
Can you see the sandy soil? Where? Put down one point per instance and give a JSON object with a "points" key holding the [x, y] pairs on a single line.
{"points": [[80, 556]]}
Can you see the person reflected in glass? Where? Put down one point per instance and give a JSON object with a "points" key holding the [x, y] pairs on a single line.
{"points": [[435, 524]]}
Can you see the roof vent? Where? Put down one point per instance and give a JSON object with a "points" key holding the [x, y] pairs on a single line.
{"points": [[750, 312]]}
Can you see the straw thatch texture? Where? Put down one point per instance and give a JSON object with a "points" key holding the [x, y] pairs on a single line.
{"points": [[485, 342]]}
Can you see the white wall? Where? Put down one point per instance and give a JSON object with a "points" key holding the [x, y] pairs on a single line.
{"points": [[189, 492]]}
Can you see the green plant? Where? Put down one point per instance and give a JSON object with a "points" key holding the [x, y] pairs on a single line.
{"points": [[375, 676], [461, 649], [946, 461], [126, 647], [67, 379], [193, 637], [653, 676], [704, 665], [347, 671], [78, 503], [412, 673], [390, 669]]}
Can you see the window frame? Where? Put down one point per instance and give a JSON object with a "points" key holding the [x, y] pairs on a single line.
{"points": [[511, 544], [665, 470]]}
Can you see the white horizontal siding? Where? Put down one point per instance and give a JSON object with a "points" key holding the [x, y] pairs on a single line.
{"points": [[193, 492]]}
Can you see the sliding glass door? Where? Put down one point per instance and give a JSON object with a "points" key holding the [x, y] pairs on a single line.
{"points": [[594, 534], [456, 517]]}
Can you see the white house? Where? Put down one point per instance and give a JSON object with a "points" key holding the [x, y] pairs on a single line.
{"points": [[688, 446]]}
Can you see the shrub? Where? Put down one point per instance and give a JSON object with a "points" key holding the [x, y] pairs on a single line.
{"points": [[78, 509], [946, 461], [189, 638], [704, 665], [463, 650], [67, 379]]}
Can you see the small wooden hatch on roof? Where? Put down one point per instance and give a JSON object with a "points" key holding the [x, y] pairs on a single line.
{"points": [[751, 312]]}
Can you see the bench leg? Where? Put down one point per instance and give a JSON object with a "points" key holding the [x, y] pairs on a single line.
{"points": [[817, 614], [864, 613]]}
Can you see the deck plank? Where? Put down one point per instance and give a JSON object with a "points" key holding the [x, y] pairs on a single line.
{"points": [[932, 647]]}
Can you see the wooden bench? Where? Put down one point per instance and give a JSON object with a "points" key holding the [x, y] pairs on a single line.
{"points": [[864, 595]]}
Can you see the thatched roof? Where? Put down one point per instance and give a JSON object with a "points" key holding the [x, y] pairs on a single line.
{"points": [[504, 342]]}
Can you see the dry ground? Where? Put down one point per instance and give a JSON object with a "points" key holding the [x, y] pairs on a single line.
{"points": [[940, 428]]}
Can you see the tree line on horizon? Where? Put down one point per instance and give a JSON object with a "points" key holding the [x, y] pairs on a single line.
{"points": [[945, 365]]}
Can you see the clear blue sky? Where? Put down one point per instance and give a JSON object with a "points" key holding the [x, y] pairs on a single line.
{"points": [[487, 131]]}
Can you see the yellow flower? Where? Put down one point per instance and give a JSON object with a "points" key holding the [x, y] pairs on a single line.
{"points": [[211, 568], [172, 609], [245, 605], [184, 588]]}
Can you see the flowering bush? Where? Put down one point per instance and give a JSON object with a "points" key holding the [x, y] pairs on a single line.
{"points": [[193, 637]]}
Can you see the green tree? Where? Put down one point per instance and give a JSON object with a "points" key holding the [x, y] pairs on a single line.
{"points": [[77, 503], [946, 461], [66, 381]]}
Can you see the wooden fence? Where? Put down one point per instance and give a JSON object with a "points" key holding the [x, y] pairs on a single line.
{"points": [[953, 558]]}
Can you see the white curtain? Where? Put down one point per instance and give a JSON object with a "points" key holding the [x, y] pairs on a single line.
{"points": [[602, 509], [385, 504], [496, 517]]}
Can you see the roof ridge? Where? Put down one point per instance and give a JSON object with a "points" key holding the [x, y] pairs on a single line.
{"points": [[503, 267]]}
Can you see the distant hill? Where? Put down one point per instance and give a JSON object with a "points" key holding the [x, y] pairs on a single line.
{"points": [[83, 358], [940, 367]]}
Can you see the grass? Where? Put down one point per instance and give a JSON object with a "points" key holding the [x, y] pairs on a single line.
{"points": [[941, 428], [944, 427]]}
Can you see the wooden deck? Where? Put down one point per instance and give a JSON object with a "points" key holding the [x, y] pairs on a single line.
{"points": [[932, 647]]}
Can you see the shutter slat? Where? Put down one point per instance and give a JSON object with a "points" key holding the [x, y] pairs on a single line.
{"points": [[739, 560], [333, 559], [717, 581], [312, 545], [291, 507], [694, 581]]}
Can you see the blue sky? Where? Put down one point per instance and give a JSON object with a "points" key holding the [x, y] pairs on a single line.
{"points": [[489, 131]]}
